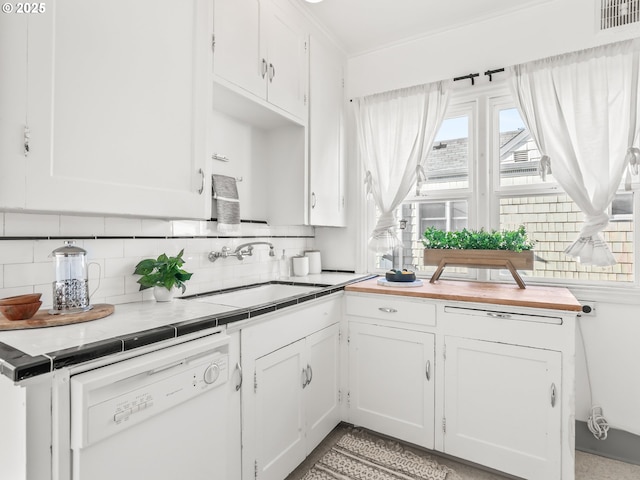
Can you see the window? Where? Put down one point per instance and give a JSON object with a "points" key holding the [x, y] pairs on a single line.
{"points": [[483, 173]]}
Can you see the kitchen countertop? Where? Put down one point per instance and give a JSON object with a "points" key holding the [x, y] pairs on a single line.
{"points": [[555, 298], [31, 352]]}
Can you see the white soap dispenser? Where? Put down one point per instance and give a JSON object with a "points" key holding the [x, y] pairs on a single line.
{"points": [[284, 266]]}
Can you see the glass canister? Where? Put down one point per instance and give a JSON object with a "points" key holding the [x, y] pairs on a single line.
{"points": [[71, 285]]}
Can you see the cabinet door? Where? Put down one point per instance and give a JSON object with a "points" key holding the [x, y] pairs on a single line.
{"points": [[117, 107], [321, 393], [326, 124], [279, 417], [502, 406], [286, 54], [13, 107], [233, 440], [238, 57], [391, 382]]}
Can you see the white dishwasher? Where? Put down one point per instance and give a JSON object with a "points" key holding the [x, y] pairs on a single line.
{"points": [[159, 416]]}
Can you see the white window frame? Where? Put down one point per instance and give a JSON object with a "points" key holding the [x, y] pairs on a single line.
{"points": [[484, 192]]}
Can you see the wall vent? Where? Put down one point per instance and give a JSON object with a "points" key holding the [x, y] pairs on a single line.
{"points": [[617, 13]]}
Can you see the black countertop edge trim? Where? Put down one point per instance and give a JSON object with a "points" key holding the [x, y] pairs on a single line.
{"points": [[234, 316], [147, 337], [194, 325], [84, 353], [18, 365]]}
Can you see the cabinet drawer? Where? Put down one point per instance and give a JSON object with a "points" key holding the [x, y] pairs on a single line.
{"points": [[502, 315], [387, 307]]}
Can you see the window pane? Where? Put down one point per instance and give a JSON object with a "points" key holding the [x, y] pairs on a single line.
{"points": [[519, 156], [447, 164], [554, 222], [451, 215]]}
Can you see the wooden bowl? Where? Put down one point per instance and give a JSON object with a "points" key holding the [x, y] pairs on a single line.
{"points": [[20, 299], [20, 311]]}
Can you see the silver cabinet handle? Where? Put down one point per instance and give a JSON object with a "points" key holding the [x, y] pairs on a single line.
{"points": [[553, 395], [498, 315], [388, 310], [239, 368], [305, 381], [313, 200], [272, 72], [264, 67], [428, 370], [201, 189], [309, 374]]}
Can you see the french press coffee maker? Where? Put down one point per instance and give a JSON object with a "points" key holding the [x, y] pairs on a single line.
{"points": [[71, 285]]}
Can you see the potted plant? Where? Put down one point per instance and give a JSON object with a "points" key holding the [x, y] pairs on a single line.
{"points": [[164, 274], [509, 249]]}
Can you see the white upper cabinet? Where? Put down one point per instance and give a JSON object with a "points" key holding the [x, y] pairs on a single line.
{"points": [[261, 50], [116, 107], [326, 136]]}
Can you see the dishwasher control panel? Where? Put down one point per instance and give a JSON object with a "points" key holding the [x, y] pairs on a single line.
{"points": [[113, 398]]}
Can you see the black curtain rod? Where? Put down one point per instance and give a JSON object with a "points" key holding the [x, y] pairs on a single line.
{"points": [[491, 72], [471, 77]]}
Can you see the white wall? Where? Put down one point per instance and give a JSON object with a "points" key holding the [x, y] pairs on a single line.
{"points": [[550, 28]]}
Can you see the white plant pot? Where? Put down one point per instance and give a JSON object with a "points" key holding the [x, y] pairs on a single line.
{"points": [[161, 294]]}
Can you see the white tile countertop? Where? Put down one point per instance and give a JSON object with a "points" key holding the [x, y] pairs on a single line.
{"points": [[141, 323]]}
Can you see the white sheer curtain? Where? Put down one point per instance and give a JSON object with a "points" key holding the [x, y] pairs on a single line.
{"points": [[395, 132], [581, 109]]}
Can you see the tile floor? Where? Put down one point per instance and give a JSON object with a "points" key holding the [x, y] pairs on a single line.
{"points": [[588, 466]]}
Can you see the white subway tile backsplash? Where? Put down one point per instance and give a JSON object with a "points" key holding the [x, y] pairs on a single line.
{"points": [[122, 227], [26, 274], [141, 247], [80, 226], [105, 248], [26, 265], [16, 251], [31, 225], [156, 228]]}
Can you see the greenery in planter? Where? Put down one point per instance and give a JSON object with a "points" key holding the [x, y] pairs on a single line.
{"points": [[513, 240], [162, 272]]}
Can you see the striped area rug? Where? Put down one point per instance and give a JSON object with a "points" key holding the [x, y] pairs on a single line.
{"points": [[358, 458]]}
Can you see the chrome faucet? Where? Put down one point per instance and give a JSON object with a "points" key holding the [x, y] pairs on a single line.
{"points": [[245, 249]]}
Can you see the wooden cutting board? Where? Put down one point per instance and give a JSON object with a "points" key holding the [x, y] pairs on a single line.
{"points": [[43, 318]]}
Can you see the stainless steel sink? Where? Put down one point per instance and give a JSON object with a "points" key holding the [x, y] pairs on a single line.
{"points": [[251, 296]]}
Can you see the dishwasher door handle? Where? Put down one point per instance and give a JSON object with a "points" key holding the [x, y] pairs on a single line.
{"points": [[166, 367]]}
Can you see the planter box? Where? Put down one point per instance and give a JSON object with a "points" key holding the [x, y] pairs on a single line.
{"points": [[513, 261]]}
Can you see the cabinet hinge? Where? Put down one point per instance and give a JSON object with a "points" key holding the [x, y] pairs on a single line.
{"points": [[339, 336], [27, 138], [444, 351], [305, 46], [444, 425], [348, 399], [339, 396], [255, 469], [255, 382], [213, 42], [305, 98]]}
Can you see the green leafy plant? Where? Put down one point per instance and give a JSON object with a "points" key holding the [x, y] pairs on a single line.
{"points": [[514, 240], [162, 272]]}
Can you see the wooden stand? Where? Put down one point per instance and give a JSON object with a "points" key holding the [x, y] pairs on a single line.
{"points": [[479, 259]]}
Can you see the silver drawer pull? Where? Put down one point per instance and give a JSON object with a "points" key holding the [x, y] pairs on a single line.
{"points": [[498, 315], [553, 395], [388, 310]]}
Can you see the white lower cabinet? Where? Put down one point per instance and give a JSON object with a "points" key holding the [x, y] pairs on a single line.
{"points": [[502, 406], [391, 387], [486, 383], [290, 399]]}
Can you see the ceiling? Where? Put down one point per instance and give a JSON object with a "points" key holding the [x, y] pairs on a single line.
{"points": [[364, 25]]}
